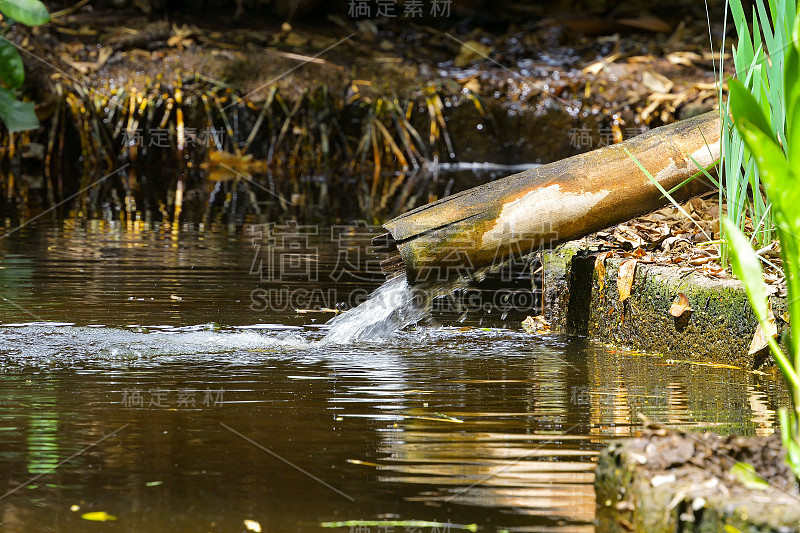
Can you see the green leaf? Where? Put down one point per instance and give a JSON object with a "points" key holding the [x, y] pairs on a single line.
{"points": [[744, 105], [12, 73], [747, 268], [791, 88], [16, 115], [28, 12], [747, 476], [790, 440], [793, 457], [743, 55], [772, 164], [703, 170]]}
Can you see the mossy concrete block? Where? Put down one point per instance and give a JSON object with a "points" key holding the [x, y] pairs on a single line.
{"points": [[556, 282], [720, 327], [631, 497]]}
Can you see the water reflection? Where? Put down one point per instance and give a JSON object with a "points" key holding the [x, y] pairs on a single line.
{"points": [[209, 397]]}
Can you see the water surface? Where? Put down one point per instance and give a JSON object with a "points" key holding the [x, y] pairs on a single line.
{"points": [[173, 379]]}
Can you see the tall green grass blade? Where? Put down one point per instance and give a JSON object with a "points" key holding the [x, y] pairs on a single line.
{"points": [[704, 171], [792, 89], [788, 423], [665, 193], [743, 104], [743, 54], [763, 20]]}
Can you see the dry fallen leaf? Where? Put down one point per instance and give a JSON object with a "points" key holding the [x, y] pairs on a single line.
{"points": [[182, 36], [625, 234], [655, 82], [627, 271], [646, 22], [680, 306], [86, 67], [702, 260], [684, 58], [600, 268], [535, 324], [471, 51], [473, 85], [761, 337], [597, 66], [225, 166]]}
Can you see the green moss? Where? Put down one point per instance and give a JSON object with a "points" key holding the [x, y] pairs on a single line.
{"points": [[719, 329]]}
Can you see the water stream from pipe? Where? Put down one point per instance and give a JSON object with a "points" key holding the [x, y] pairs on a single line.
{"points": [[392, 307]]}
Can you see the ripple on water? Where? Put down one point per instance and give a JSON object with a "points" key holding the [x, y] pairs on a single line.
{"points": [[70, 344]]}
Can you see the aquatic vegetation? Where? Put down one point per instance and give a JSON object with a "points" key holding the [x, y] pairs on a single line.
{"points": [[776, 154], [758, 59], [152, 150]]}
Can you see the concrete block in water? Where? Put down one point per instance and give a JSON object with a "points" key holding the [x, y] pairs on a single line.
{"points": [[720, 328]]}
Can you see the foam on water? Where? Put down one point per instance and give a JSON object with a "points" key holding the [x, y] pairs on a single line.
{"points": [[392, 307], [73, 344]]}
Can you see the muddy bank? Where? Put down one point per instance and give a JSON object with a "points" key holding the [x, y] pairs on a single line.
{"points": [[330, 116]]}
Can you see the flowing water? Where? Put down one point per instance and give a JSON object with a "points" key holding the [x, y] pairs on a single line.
{"points": [[391, 307], [183, 381]]}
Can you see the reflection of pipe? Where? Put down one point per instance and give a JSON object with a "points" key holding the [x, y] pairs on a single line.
{"points": [[551, 204]]}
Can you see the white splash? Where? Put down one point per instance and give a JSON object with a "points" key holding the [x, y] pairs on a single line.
{"points": [[393, 306]]}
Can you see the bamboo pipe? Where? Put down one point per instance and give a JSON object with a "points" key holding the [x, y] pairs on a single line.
{"points": [[546, 206]]}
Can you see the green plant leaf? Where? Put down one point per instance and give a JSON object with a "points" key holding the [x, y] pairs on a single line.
{"points": [[772, 164], [16, 115], [28, 12], [744, 105], [790, 439], [12, 73], [665, 193], [743, 54], [747, 476], [702, 171], [747, 268], [791, 87]]}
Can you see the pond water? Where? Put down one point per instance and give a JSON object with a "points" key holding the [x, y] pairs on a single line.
{"points": [[181, 381]]}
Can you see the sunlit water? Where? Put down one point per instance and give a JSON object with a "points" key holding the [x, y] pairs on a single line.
{"points": [[225, 401]]}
